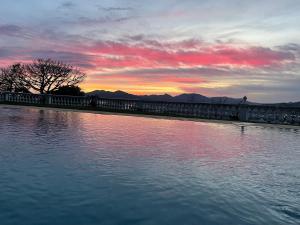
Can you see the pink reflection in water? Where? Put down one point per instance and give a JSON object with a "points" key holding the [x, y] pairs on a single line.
{"points": [[150, 137]]}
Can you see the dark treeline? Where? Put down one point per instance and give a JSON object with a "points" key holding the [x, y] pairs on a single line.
{"points": [[44, 76]]}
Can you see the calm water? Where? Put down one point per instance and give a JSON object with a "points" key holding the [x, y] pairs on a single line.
{"points": [[72, 168]]}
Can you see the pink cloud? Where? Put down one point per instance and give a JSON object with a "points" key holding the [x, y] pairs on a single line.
{"points": [[144, 62], [141, 55], [145, 53]]}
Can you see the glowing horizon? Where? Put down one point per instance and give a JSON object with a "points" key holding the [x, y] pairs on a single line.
{"points": [[223, 48]]}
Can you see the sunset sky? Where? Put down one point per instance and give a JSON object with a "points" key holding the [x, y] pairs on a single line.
{"points": [[215, 48]]}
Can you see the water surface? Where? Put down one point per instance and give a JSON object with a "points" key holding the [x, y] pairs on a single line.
{"points": [[76, 168]]}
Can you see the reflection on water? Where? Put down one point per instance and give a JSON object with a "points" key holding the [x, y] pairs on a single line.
{"points": [[60, 167]]}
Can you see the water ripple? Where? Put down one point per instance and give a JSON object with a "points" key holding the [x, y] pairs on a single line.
{"points": [[62, 167]]}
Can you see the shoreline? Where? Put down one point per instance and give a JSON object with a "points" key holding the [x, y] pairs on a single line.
{"points": [[237, 123]]}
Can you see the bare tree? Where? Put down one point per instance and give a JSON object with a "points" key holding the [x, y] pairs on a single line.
{"points": [[12, 79], [47, 75]]}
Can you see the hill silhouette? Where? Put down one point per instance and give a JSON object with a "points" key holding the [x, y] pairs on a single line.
{"points": [[187, 98]]}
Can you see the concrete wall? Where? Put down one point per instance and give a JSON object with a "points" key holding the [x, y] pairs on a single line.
{"points": [[245, 113]]}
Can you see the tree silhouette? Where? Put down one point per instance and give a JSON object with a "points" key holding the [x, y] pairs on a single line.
{"points": [[69, 90], [46, 75], [12, 79]]}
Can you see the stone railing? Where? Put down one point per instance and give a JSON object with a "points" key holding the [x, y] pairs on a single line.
{"points": [[243, 112]]}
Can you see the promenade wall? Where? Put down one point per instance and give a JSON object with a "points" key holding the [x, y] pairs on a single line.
{"points": [[242, 112]]}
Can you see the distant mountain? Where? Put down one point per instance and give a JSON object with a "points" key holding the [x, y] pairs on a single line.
{"points": [[189, 98], [294, 104], [112, 95]]}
